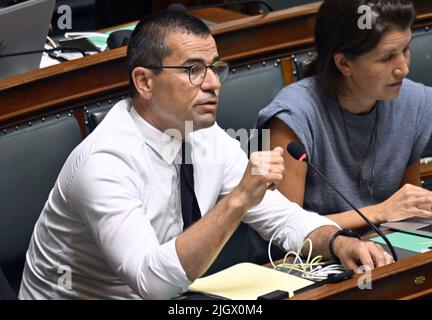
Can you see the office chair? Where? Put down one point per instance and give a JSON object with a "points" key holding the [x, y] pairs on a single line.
{"points": [[36, 151], [6, 292]]}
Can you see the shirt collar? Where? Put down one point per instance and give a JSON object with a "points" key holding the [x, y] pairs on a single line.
{"points": [[166, 146]]}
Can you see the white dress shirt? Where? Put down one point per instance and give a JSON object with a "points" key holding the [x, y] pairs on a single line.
{"points": [[109, 227]]}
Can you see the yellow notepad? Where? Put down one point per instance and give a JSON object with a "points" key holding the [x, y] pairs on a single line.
{"points": [[248, 281]]}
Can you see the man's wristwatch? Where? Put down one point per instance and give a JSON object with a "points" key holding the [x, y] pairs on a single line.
{"points": [[342, 232]]}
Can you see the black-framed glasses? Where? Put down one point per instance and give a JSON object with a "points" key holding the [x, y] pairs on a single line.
{"points": [[198, 71]]}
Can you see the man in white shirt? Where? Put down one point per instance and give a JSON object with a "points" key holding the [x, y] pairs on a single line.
{"points": [[115, 225]]}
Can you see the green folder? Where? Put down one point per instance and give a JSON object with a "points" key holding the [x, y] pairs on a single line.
{"points": [[406, 241]]}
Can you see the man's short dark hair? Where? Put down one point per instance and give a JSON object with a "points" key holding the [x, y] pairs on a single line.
{"points": [[147, 45]]}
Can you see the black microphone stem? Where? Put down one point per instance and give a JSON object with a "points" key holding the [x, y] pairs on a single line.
{"points": [[377, 230], [70, 49]]}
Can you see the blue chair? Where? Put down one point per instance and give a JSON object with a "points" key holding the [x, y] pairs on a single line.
{"points": [[421, 71], [301, 62], [33, 154], [96, 112], [421, 56], [246, 91]]}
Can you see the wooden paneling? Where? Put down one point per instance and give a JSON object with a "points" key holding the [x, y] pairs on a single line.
{"points": [[240, 41], [281, 32]]}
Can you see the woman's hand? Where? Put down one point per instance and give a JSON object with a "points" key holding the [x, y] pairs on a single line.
{"points": [[409, 201]]}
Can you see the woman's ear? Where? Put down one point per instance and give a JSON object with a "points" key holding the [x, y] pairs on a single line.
{"points": [[343, 64], [143, 81]]}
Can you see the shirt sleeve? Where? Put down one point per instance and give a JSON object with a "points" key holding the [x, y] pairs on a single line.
{"points": [[290, 223], [275, 213], [109, 196]]}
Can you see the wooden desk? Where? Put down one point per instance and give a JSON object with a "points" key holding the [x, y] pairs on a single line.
{"points": [[217, 15], [407, 279], [426, 169]]}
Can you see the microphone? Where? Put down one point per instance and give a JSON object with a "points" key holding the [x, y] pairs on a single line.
{"points": [[181, 8], [297, 151], [119, 38], [177, 7]]}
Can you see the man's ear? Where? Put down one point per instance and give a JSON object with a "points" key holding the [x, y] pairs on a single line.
{"points": [[143, 81], [343, 64]]}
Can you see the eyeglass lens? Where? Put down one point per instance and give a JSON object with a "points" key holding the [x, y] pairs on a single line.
{"points": [[198, 72]]}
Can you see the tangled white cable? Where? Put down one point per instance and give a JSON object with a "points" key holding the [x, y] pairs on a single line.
{"points": [[310, 269]]}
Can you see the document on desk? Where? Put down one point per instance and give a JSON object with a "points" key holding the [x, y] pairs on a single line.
{"points": [[406, 241], [248, 281]]}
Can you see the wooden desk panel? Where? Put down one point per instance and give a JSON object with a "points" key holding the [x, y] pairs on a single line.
{"points": [[409, 278], [426, 169], [217, 15], [63, 85]]}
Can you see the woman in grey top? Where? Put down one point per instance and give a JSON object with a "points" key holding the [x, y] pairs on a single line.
{"points": [[362, 123]]}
